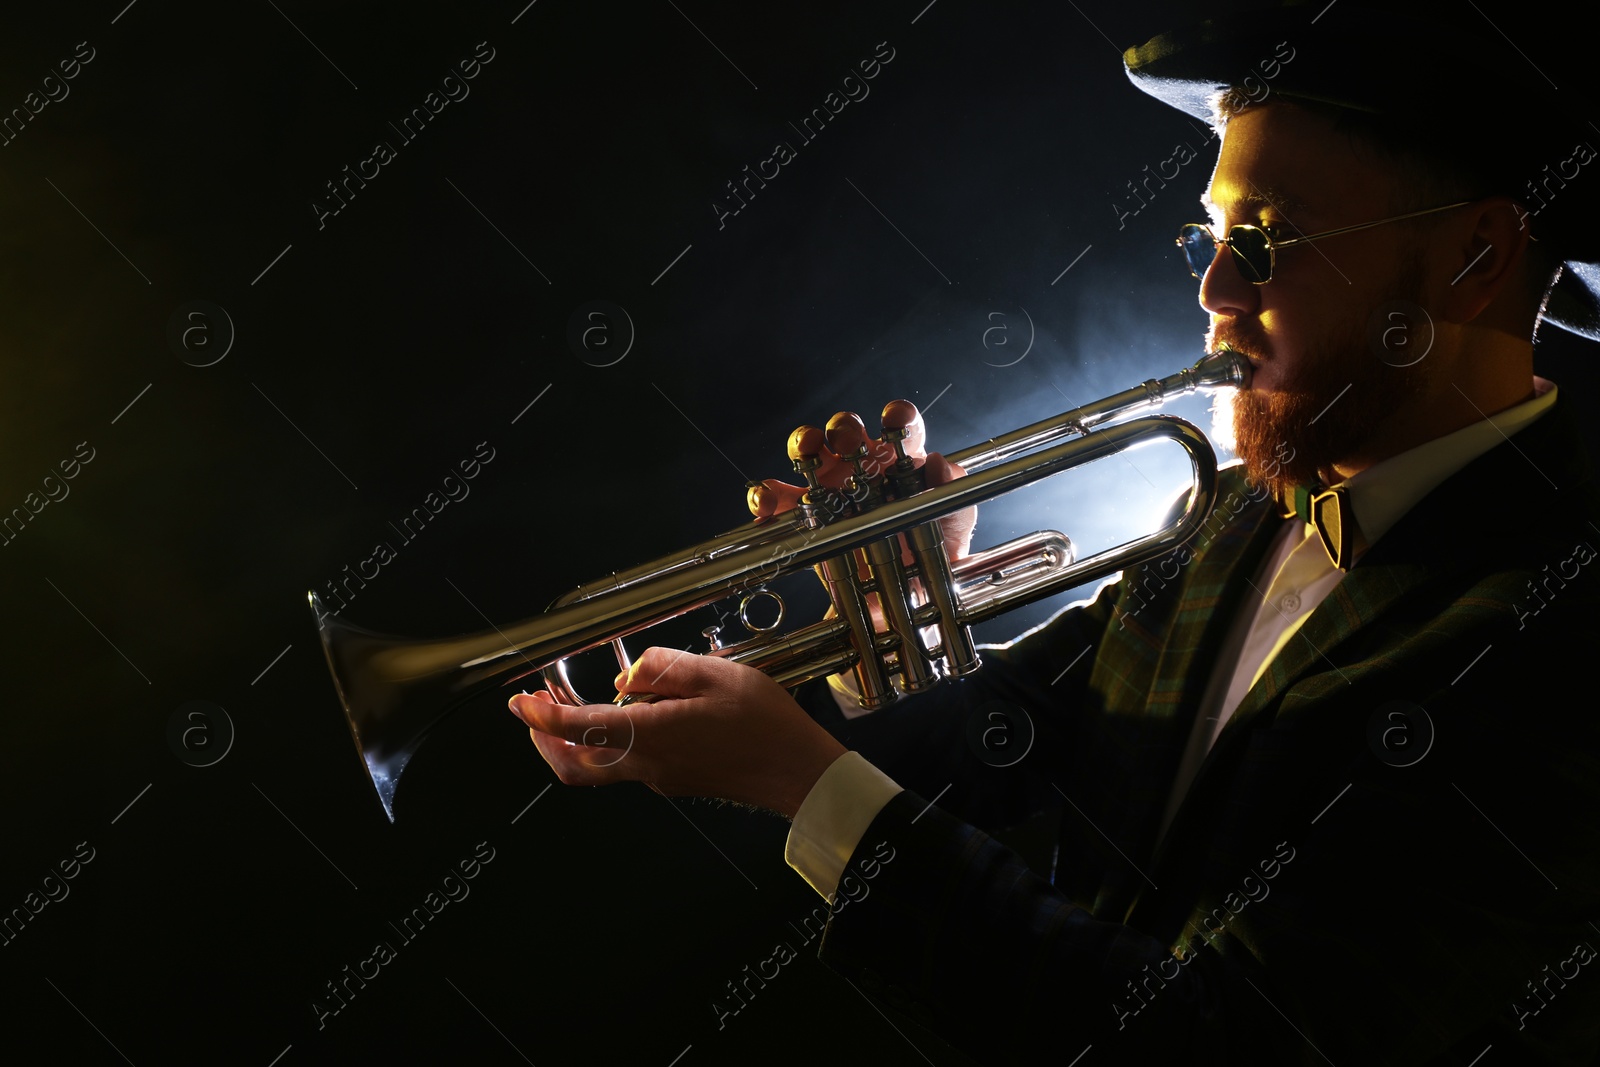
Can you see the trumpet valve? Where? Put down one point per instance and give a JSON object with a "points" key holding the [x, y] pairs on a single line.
{"points": [[899, 416], [805, 451], [847, 437], [900, 424], [762, 501]]}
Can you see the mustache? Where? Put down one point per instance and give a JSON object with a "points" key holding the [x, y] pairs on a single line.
{"points": [[1245, 342]]}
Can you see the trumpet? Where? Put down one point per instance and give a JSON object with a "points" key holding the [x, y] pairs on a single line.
{"points": [[394, 690]]}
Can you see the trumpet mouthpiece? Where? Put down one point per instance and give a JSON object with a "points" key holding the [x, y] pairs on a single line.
{"points": [[1223, 367]]}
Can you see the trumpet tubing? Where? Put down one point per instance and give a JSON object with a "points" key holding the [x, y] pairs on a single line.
{"points": [[394, 689]]}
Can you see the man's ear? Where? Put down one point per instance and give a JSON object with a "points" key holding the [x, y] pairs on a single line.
{"points": [[1485, 258]]}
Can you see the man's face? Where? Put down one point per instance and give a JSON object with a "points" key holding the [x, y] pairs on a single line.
{"points": [[1319, 392]]}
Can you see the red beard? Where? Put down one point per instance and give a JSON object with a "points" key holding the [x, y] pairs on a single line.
{"points": [[1325, 414]]}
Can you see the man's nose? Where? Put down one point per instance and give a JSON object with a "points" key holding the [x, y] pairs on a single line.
{"points": [[1224, 290]]}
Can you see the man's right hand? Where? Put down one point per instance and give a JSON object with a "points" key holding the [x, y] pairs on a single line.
{"points": [[773, 497]]}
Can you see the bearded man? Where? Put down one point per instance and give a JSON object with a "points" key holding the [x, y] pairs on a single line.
{"points": [[1331, 793]]}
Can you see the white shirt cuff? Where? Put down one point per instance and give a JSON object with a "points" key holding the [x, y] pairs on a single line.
{"points": [[833, 819]]}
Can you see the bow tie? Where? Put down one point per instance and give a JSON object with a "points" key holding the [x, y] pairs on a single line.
{"points": [[1328, 510]]}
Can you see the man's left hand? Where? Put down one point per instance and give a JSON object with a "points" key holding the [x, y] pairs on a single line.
{"points": [[720, 729]]}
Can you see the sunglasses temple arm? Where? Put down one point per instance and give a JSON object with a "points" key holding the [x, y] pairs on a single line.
{"points": [[1367, 225]]}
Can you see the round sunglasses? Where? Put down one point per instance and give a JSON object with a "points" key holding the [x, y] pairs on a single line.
{"points": [[1255, 251]]}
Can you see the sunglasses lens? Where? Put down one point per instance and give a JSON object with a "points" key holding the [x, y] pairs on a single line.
{"points": [[1198, 248], [1251, 252]]}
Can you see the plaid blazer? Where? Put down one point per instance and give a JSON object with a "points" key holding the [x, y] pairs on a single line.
{"points": [[1391, 855]]}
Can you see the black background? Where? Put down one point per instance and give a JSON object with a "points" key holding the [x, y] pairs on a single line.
{"points": [[915, 248]]}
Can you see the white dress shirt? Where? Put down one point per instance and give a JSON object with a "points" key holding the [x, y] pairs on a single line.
{"points": [[1294, 578]]}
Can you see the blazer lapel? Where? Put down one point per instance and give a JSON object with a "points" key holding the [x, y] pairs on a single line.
{"points": [[1235, 539]]}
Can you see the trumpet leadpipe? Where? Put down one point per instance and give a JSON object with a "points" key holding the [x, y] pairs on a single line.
{"points": [[1219, 369]]}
